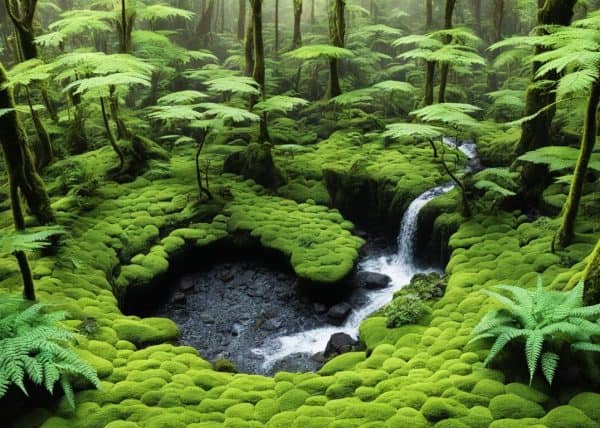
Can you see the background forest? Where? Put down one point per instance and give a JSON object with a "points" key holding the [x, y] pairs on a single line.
{"points": [[145, 138]]}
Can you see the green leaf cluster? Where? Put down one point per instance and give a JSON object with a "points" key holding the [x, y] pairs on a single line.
{"points": [[35, 347], [541, 319]]}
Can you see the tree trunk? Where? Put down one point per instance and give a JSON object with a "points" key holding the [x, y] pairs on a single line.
{"points": [[497, 19], [19, 160], [536, 132], [337, 34], [258, 73], [111, 138], [566, 232], [592, 278], [477, 17], [249, 46], [428, 14], [125, 27], [445, 66], [44, 153], [312, 12], [204, 27], [429, 80], [21, 13], [297, 35], [241, 23], [276, 27]]}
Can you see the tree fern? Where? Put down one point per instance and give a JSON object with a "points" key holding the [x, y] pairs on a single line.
{"points": [[319, 51], [280, 104], [34, 347], [559, 158], [541, 319]]}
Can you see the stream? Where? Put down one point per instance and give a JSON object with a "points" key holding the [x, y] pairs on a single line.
{"points": [[254, 315]]}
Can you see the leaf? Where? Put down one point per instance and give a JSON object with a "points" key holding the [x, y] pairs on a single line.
{"points": [[280, 103], [235, 84], [28, 240], [549, 365], [533, 351], [416, 131], [319, 51], [224, 112], [181, 97]]}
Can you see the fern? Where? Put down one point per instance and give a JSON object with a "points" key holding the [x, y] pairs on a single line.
{"points": [[157, 12], [356, 97], [413, 131], [181, 97], [280, 103], [541, 319], [34, 347], [228, 113], [559, 158], [29, 240], [395, 85], [242, 85], [319, 51]]}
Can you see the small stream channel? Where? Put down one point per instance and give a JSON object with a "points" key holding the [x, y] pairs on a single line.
{"points": [[254, 313]]}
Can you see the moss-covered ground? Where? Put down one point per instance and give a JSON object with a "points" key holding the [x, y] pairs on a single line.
{"points": [[414, 376]]}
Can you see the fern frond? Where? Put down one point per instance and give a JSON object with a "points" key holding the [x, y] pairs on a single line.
{"points": [[533, 351], [549, 364]]}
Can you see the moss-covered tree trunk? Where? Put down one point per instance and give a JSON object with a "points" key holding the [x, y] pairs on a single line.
{"points": [[428, 14], [249, 47], [476, 4], [588, 140], [241, 22], [337, 35], [297, 34], [276, 26], [312, 12], [258, 73], [496, 36], [536, 132], [204, 27], [125, 27], [592, 278], [21, 13], [429, 82], [18, 158], [445, 66]]}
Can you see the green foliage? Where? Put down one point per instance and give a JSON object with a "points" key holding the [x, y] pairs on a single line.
{"points": [[228, 113], [242, 85], [34, 347], [409, 304], [559, 158], [412, 131], [542, 319], [28, 240], [319, 51], [280, 104]]}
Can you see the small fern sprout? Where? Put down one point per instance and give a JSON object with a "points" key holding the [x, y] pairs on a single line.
{"points": [[542, 320]]}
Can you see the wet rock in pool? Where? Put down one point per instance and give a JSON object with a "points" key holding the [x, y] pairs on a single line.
{"points": [[338, 313], [178, 298], [320, 308], [372, 280], [339, 343]]}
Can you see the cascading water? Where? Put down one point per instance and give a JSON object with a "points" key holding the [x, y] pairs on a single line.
{"points": [[400, 267]]}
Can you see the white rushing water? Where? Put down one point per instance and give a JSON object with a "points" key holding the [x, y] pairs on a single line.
{"points": [[400, 267]]}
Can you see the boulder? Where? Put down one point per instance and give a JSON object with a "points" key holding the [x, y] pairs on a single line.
{"points": [[339, 343], [178, 298], [372, 280], [338, 313]]}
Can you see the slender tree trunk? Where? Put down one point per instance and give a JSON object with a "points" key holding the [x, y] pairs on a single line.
{"points": [[477, 17], [428, 14], [18, 158], [312, 12], [566, 232], [21, 13], [445, 66], [592, 278], [44, 155], [249, 46], [201, 188], [241, 24], [125, 28], [429, 81], [497, 20], [204, 27], [258, 72], [222, 17], [297, 37], [337, 34], [276, 26], [111, 138]]}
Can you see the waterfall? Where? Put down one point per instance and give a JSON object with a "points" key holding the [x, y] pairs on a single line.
{"points": [[400, 267]]}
